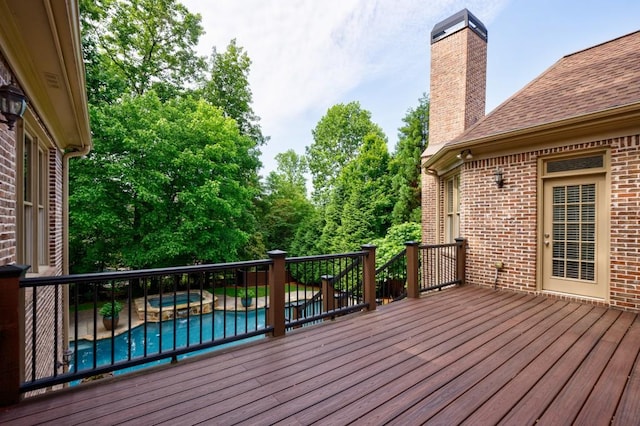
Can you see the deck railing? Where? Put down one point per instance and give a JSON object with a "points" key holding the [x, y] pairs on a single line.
{"points": [[391, 279], [165, 313], [441, 265], [172, 312], [336, 287]]}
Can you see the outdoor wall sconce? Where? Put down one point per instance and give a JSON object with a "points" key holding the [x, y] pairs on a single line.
{"points": [[13, 104], [497, 175], [66, 358], [465, 154]]}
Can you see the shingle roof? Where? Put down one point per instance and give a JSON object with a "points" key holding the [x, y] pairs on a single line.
{"points": [[589, 81]]}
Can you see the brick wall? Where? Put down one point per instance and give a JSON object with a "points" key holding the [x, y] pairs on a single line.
{"points": [[625, 223], [457, 101], [7, 185], [55, 211], [429, 205], [501, 223], [476, 79], [46, 299]]}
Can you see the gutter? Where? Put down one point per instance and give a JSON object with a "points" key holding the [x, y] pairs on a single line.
{"points": [[74, 152]]}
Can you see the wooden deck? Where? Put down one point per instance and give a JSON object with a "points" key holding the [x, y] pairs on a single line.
{"points": [[465, 355]]}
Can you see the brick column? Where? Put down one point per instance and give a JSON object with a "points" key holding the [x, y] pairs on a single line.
{"points": [[430, 208], [11, 333]]}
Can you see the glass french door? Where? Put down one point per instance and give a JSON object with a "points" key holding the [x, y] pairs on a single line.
{"points": [[574, 236]]}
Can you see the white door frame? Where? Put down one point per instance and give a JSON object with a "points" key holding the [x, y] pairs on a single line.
{"points": [[570, 284]]}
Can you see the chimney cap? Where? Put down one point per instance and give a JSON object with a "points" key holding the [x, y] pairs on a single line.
{"points": [[455, 23]]}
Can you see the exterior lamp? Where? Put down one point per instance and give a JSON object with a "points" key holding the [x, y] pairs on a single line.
{"points": [[13, 103], [465, 154], [497, 175], [66, 358]]}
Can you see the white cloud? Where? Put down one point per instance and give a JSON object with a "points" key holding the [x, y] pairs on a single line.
{"points": [[307, 54]]}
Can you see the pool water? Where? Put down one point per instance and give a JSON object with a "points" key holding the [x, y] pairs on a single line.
{"points": [[214, 326], [178, 299]]}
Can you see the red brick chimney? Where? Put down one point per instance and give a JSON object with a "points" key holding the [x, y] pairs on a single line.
{"points": [[457, 99], [458, 77]]}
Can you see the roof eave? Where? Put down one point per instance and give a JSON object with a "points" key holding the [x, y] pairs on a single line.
{"points": [[597, 122], [48, 64]]}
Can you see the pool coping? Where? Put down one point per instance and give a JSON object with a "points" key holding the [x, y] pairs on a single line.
{"points": [[156, 314]]}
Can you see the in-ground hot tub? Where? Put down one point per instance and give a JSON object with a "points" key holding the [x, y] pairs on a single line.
{"points": [[171, 305]]}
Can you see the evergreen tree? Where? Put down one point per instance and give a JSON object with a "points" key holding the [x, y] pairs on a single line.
{"points": [[337, 139], [413, 138]]}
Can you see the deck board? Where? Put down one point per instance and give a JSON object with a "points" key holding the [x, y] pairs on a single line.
{"points": [[628, 409], [426, 359], [538, 398], [464, 355], [580, 386], [409, 355], [604, 398], [505, 361], [501, 374]]}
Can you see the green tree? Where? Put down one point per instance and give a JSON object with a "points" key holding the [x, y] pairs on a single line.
{"points": [[306, 241], [286, 205], [337, 139], [289, 174], [165, 185], [228, 88], [103, 83], [394, 241], [360, 206], [142, 43], [172, 179], [413, 138]]}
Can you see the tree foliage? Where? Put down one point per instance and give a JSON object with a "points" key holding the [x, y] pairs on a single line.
{"points": [[413, 138], [172, 178], [228, 88], [286, 206], [144, 43], [164, 186], [337, 139], [359, 209], [103, 84], [394, 241], [306, 241]]}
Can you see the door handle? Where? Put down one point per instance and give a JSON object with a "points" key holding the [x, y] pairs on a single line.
{"points": [[546, 243]]}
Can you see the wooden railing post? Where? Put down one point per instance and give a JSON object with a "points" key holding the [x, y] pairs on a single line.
{"points": [[369, 276], [328, 293], [277, 278], [413, 283], [461, 260], [11, 333]]}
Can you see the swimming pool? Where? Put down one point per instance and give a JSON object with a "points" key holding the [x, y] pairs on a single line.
{"points": [[179, 304], [215, 326], [178, 299]]}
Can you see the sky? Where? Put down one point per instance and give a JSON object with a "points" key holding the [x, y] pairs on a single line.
{"points": [[308, 55]]}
